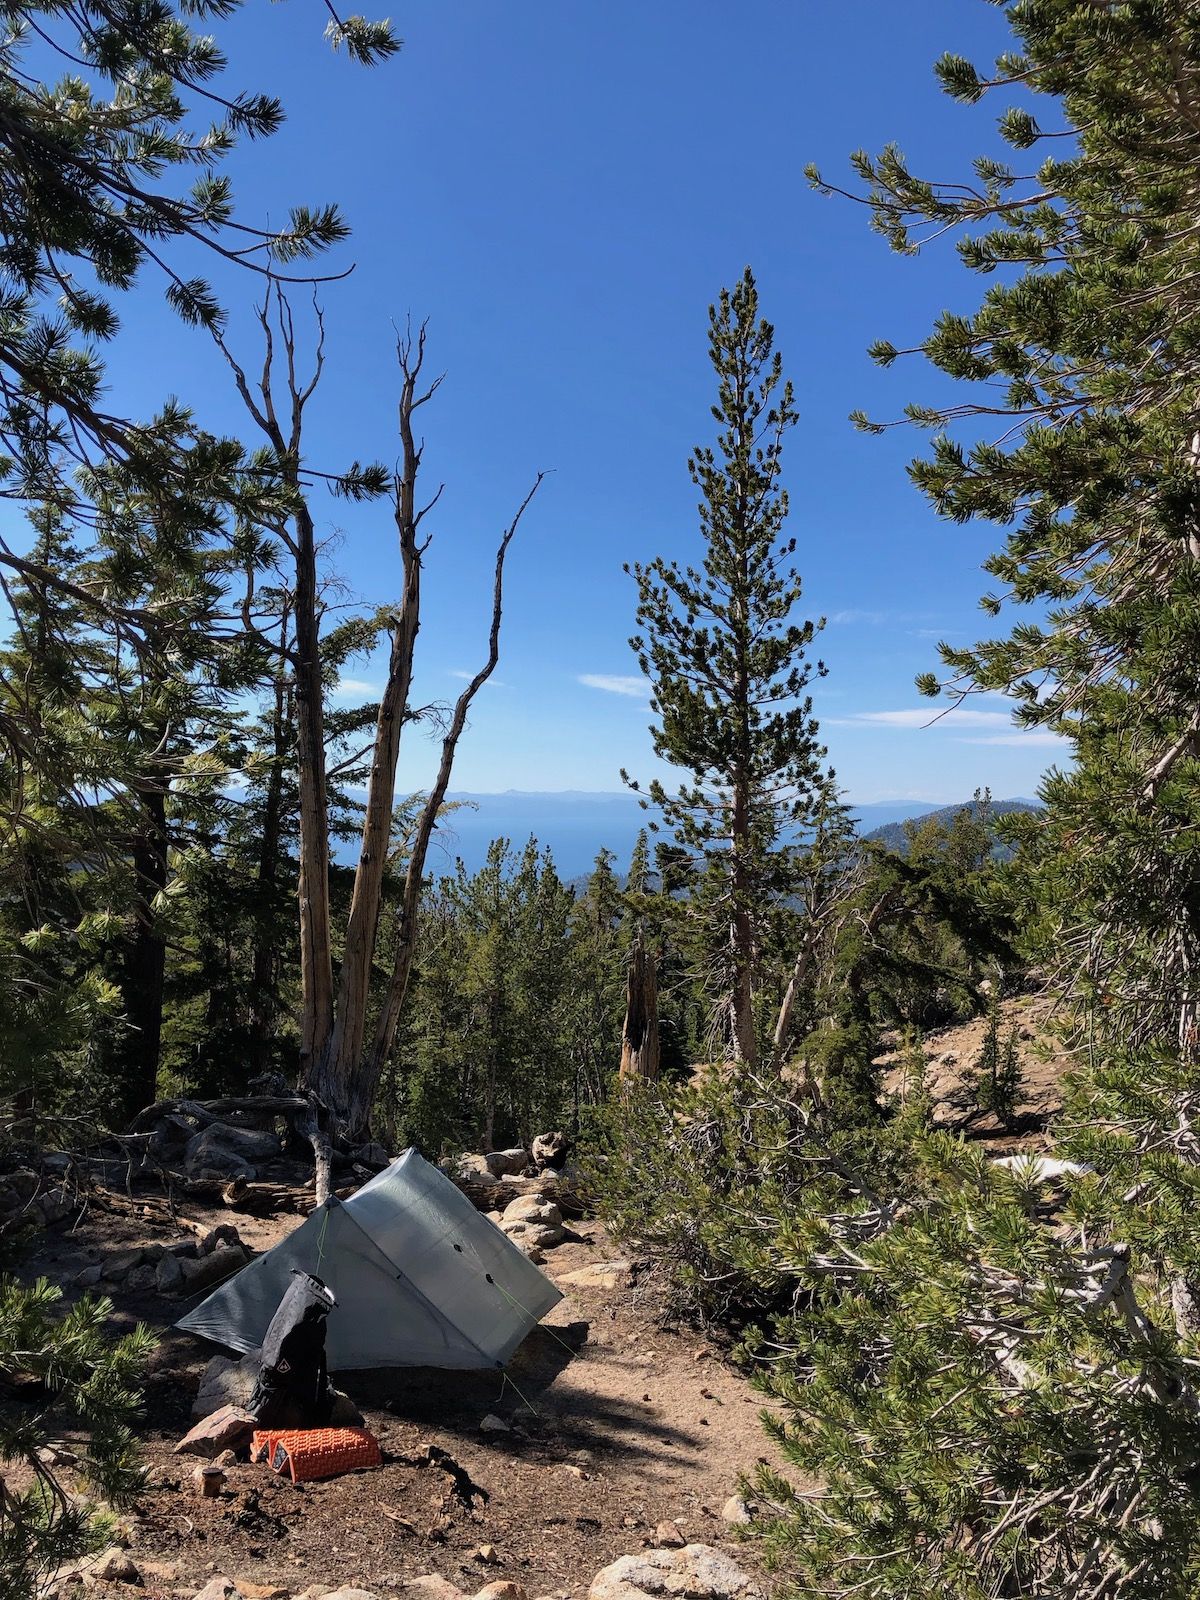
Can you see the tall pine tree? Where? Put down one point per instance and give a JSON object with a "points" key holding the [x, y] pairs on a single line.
{"points": [[727, 659]]}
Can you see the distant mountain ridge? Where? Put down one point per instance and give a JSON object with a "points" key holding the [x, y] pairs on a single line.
{"points": [[576, 824], [895, 834]]}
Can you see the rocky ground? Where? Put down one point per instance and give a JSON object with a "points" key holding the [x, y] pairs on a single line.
{"points": [[612, 1435], [605, 1462], [951, 1053]]}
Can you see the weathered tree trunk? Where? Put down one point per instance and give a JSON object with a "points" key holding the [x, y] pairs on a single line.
{"points": [[146, 958], [265, 961], [782, 1036], [372, 1062], [639, 1032], [741, 932], [334, 1076], [316, 957], [339, 1074]]}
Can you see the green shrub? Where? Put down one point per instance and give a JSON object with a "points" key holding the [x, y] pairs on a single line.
{"points": [[61, 1372]]}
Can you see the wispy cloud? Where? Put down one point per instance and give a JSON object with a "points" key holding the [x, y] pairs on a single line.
{"points": [[465, 677], [922, 624], [356, 689], [1040, 737], [922, 716], [635, 688]]}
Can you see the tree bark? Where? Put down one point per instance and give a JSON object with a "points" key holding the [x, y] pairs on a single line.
{"points": [[316, 957], [334, 1076], [372, 1062], [146, 959], [265, 965], [639, 1032], [741, 931]]}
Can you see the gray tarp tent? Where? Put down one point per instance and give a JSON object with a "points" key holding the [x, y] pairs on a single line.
{"points": [[421, 1279]]}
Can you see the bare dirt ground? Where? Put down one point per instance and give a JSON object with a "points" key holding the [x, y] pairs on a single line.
{"points": [[617, 1421], [951, 1052]]}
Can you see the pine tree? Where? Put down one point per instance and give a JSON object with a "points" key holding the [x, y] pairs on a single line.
{"points": [[1091, 464], [82, 1377], [93, 200], [998, 1389], [727, 663]]}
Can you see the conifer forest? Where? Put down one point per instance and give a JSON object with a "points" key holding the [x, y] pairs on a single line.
{"points": [[855, 1145]]}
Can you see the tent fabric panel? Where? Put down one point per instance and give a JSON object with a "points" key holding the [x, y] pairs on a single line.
{"points": [[455, 1256], [379, 1320]]}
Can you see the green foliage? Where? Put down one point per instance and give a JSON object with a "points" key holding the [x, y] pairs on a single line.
{"points": [[989, 1407], [712, 1178], [109, 173], [509, 969], [727, 663], [1086, 338], [62, 1371], [995, 1392], [994, 1077]]}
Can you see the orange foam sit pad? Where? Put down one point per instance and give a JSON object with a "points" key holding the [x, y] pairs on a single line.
{"points": [[306, 1453]]}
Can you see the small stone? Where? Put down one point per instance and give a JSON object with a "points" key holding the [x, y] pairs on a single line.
{"points": [[494, 1424], [573, 1471], [532, 1208], [226, 1459], [349, 1594], [119, 1264], [226, 1429], [549, 1150], [488, 1554], [698, 1571], [218, 1588], [56, 1455], [432, 1587], [205, 1271], [223, 1233], [502, 1590], [506, 1163], [111, 1566], [529, 1235], [55, 1207], [168, 1274], [261, 1591], [208, 1482], [736, 1511], [668, 1536], [142, 1279], [345, 1414], [89, 1277]]}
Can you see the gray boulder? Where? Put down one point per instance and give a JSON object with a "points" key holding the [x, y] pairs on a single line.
{"points": [[506, 1163], [230, 1152], [697, 1572], [549, 1150], [206, 1271], [532, 1208]]}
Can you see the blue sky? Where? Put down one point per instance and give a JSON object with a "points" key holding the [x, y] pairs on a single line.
{"points": [[561, 187]]}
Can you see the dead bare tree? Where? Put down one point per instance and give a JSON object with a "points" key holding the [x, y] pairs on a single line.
{"points": [[337, 1069], [639, 1032]]}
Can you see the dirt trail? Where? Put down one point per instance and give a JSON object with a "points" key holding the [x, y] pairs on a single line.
{"points": [[617, 1424]]}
